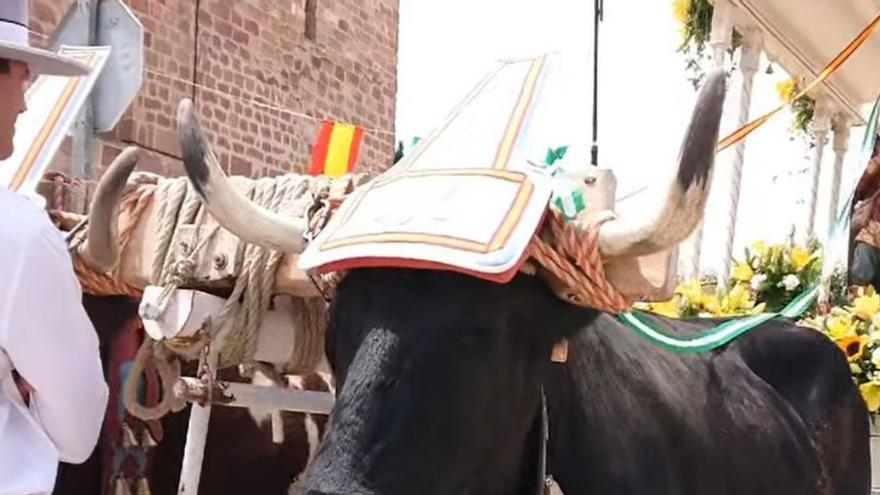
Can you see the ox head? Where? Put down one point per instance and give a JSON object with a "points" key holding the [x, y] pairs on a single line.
{"points": [[440, 374]]}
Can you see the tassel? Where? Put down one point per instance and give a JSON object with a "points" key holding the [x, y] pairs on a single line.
{"points": [[120, 487], [560, 352], [147, 440], [128, 438], [143, 487]]}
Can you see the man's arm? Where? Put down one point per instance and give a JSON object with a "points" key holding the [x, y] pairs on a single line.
{"points": [[54, 347]]}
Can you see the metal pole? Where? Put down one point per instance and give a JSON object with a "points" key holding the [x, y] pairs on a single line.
{"points": [[598, 13], [81, 154]]}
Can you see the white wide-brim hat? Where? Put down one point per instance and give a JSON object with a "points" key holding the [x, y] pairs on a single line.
{"points": [[14, 44]]}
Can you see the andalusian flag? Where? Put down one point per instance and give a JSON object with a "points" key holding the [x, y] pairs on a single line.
{"points": [[336, 150]]}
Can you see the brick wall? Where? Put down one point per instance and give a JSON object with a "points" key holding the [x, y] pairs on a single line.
{"points": [[251, 70]]}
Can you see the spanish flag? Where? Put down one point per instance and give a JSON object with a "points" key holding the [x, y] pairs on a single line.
{"points": [[336, 150]]}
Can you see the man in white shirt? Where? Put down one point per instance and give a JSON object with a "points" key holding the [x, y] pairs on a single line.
{"points": [[52, 390]]}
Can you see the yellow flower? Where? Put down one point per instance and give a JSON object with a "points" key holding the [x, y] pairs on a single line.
{"points": [[871, 393], [866, 306], [841, 327], [743, 272], [800, 259], [759, 248], [666, 308], [787, 90], [853, 347], [739, 298], [681, 7], [692, 291], [712, 305]]}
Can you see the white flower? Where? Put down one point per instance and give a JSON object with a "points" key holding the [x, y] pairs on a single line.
{"points": [[791, 282], [758, 281]]}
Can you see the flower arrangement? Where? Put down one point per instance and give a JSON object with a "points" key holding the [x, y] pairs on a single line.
{"points": [[777, 274], [693, 298], [802, 107], [766, 280], [695, 18], [856, 331]]}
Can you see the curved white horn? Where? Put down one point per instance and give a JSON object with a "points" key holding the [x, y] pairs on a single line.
{"points": [[230, 208], [101, 249], [687, 195]]}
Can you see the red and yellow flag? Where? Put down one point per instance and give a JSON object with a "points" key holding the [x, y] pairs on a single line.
{"points": [[336, 149]]}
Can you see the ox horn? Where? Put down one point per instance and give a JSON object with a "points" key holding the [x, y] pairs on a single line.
{"points": [[229, 207], [687, 195], [101, 250]]}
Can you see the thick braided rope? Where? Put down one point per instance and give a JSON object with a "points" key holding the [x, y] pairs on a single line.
{"points": [[571, 255], [99, 284], [255, 273], [240, 318], [169, 195]]}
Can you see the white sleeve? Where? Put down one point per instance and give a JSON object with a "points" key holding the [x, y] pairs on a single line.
{"points": [[53, 345]]}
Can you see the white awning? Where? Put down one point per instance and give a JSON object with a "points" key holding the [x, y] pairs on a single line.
{"points": [[803, 36]]}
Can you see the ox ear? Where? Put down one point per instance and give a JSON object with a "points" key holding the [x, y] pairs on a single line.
{"points": [[541, 309]]}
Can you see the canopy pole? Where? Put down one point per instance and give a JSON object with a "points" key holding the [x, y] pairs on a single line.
{"points": [[720, 39], [841, 129], [749, 57], [598, 14], [821, 127]]}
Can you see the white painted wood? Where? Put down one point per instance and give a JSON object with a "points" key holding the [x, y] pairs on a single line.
{"points": [[875, 456], [230, 394], [187, 311], [196, 436]]}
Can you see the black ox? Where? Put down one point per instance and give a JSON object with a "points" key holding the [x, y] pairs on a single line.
{"points": [[440, 375]]}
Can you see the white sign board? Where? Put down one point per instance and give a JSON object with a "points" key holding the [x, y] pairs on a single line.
{"points": [[121, 30], [53, 103]]}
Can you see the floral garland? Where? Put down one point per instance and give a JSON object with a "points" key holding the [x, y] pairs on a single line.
{"points": [[802, 107], [695, 18]]}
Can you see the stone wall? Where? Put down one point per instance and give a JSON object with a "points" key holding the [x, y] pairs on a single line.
{"points": [[260, 81]]}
